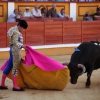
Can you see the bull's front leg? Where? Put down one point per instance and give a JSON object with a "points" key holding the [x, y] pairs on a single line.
{"points": [[88, 83]]}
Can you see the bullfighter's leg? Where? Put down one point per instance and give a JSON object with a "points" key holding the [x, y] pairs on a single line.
{"points": [[16, 62], [6, 72]]}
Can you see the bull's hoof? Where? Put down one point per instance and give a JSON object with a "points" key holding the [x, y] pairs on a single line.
{"points": [[87, 86]]}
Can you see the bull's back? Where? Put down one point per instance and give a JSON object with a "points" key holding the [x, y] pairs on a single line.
{"points": [[88, 53]]}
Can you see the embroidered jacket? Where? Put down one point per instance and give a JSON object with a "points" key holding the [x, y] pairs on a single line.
{"points": [[15, 37]]}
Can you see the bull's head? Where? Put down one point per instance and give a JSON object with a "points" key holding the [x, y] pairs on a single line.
{"points": [[75, 71]]}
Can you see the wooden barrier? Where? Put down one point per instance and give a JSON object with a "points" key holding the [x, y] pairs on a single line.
{"points": [[72, 32], [47, 19], [54, 32], [90, 30], [35, 33], [3, 36]]}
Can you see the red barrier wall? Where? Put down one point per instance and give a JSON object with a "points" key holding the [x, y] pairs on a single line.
{"points": [[54, 32]]}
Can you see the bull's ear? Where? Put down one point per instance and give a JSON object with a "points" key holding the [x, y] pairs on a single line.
{"points": [[65, 63]]}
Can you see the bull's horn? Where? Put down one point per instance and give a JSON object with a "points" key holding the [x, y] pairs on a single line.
{"points": [[65, 63], [83, 67]]}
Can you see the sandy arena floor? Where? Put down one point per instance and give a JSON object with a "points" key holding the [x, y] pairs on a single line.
{"points": [[71, 92]]}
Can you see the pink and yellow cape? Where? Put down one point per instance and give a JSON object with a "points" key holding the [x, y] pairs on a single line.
{"points": [[40, 72]]}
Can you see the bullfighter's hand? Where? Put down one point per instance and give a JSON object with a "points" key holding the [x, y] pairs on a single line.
{"points": [[24, 47]]}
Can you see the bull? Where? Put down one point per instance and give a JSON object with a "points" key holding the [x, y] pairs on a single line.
{"points": [[85, 59]]}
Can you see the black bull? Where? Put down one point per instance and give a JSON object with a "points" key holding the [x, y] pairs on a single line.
{"points": [[86, 58]]}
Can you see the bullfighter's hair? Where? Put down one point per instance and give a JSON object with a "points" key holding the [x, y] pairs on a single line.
{"points": [[23, 24]]}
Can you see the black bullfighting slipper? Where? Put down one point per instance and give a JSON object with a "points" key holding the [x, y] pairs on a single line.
{"points": [[3, 88], [21, 89]]}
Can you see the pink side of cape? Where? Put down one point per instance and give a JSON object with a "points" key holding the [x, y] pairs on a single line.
{"points": [[40, 60]]}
